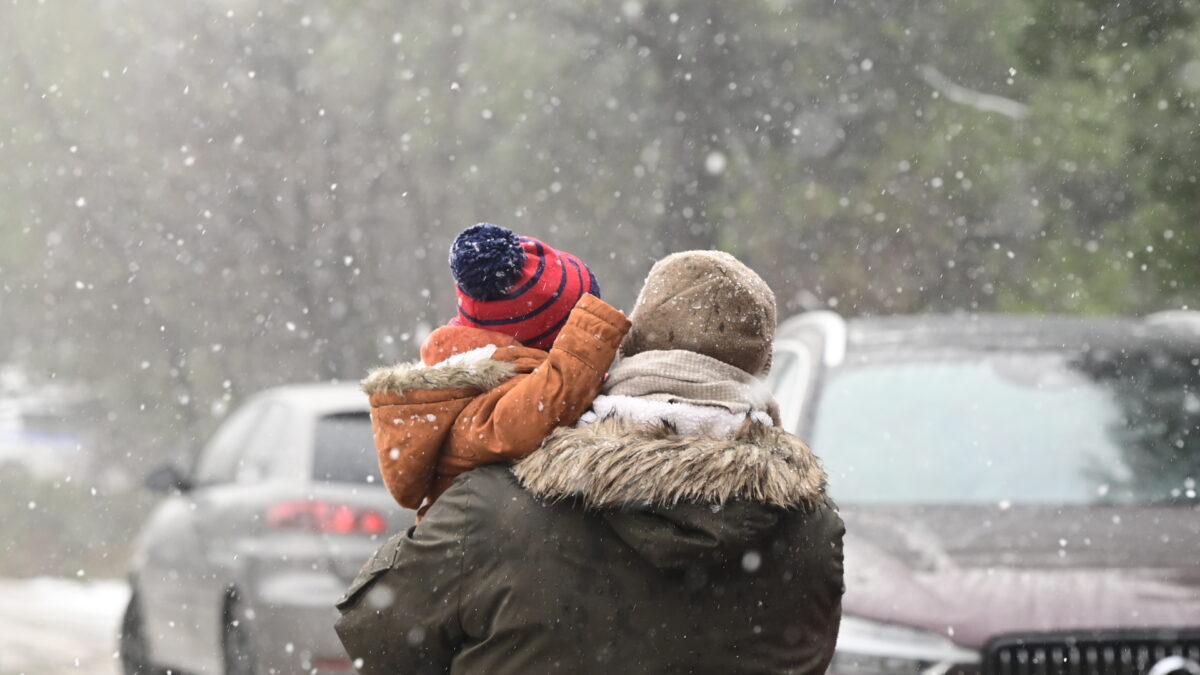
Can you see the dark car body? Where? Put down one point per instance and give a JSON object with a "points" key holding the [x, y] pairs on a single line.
{"points": [[238, 569], [1019, 492]]}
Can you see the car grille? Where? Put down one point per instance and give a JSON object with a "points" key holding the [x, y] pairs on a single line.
{"points": [[1108, 653]]}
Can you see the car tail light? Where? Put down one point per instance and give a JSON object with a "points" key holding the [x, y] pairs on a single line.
{"points": [[317, 516], [332, 663]]}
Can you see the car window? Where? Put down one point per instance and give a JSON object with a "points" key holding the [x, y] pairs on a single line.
{"points": [[218, 462], [344, 450], [257, 460]]}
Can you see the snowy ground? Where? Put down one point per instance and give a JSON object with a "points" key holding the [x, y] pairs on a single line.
{"points": [[59, 626]]}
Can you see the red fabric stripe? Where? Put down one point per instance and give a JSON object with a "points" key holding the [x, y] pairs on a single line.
{"points": [[532, 299]]}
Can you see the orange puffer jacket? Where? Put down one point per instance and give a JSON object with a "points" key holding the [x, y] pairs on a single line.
{"points": [[479, 397]]}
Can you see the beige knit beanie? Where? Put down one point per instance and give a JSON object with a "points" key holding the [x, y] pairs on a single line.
{"points": [[706, 302]]}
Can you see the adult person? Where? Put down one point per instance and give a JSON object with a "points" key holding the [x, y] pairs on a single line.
{"points": [[677, 529]]}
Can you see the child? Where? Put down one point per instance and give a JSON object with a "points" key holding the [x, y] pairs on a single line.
{"points": [[486, 390]]}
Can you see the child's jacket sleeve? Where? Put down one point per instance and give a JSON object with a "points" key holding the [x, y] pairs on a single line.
{"points": [[413, 408], [510, 421]]}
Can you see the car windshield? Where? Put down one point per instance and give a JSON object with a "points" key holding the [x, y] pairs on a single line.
{"points": [[344, 451], [1012, 427]]}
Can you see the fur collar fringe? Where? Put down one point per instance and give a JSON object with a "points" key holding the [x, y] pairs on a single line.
{"points": [[686, 418], [616, 462], [471, 370]]}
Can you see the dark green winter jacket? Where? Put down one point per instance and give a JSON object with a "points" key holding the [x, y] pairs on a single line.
{"points": [[616, 548]]}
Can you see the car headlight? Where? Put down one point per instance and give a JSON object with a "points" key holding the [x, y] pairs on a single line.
{"points": [[873, 648]]}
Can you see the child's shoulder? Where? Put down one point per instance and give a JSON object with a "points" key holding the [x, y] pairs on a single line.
{"points": [[453, 357], [450, 342]]}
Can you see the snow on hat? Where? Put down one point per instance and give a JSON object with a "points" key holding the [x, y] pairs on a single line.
{"points": [[706, 302], [516, 285]]}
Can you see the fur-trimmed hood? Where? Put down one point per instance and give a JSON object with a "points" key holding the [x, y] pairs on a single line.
{"points": [[475, 369], [681, 500], [616, 463]]}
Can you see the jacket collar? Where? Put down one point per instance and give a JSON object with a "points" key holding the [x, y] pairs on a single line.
{"points": [[617, 463]]}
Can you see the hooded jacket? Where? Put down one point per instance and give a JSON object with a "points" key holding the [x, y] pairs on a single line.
{"points": [[480, 397], [618, 547]]}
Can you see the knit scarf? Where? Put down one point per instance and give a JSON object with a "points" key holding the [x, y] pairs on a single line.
{"points": [[693, 380]]}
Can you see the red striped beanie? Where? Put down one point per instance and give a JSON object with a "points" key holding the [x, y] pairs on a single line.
{"points": [[516, 285]]}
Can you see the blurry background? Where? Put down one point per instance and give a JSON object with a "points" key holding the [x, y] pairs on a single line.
{"points": [[199, 200]]}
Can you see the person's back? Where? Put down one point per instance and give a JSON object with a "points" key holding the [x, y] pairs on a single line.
{"points": [[546, 586]]}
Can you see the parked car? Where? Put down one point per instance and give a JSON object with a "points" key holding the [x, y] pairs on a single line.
{"points": [[40, 437], [238, 569], [1020, 493]]}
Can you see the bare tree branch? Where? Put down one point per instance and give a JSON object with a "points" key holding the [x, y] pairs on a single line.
{"points": [[969, 97]]}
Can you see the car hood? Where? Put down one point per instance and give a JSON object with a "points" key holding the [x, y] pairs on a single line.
{"points": [[972, 572]]}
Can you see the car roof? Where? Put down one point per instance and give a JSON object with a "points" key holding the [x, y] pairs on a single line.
{"points": [[1006, 331], [326, 398]]}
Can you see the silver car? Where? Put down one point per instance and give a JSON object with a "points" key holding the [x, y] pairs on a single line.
{"points": [[238, 569]]}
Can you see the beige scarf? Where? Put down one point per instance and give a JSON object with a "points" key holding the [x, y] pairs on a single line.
{"points": [[678, 376]]}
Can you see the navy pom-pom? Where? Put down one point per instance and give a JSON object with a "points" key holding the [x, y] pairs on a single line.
{"points": [[486, 261]]}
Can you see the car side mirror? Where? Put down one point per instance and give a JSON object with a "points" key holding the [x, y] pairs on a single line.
{"points": [[167, 478]]}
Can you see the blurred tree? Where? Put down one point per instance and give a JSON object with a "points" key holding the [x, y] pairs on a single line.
{"points": [[1116, 147], [201, 201]]}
